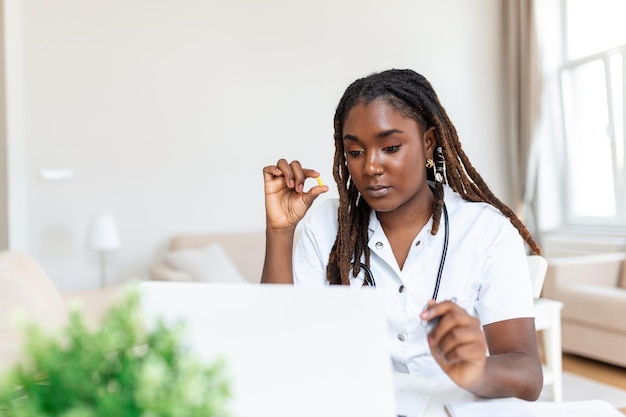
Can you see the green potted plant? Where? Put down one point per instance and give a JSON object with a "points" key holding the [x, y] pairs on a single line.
{"points": [[118, 369]]}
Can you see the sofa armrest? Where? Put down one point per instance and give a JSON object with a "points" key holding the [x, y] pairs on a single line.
{"points": [[598, 269], [164, 272]]}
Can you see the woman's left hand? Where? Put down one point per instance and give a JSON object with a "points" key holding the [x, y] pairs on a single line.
{"points": [[457, 343]]}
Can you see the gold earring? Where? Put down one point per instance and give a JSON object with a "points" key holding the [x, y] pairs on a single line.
{"points": [[430, 163]]}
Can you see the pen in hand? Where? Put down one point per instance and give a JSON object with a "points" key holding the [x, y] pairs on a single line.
{"points": [[432, 324]]}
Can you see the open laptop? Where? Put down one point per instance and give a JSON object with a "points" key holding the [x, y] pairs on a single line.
{"points": [[290, 351]]}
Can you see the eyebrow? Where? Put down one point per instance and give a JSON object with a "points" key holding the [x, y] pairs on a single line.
{"points": [[380, 135]]}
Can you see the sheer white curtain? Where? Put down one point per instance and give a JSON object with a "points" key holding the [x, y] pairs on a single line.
{"points": [[548, 203], [523, 91]]}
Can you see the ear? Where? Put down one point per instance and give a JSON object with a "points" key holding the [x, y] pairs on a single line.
{"points": [[430, 141]]}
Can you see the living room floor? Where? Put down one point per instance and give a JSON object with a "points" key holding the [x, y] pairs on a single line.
{"points": [[596, 370]]}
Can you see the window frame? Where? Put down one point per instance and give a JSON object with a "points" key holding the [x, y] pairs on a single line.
{"points": [[570, 218]]}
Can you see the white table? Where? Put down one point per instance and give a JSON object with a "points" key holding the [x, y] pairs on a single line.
{"points": [[425, 397], [548, 320]]}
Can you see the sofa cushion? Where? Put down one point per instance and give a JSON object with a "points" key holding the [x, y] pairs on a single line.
{"points": [[205, 264], [622, 277], [245, 249], [596, 306]]}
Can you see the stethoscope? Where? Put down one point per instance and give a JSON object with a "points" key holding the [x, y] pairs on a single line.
{"points": [[369, 277]]}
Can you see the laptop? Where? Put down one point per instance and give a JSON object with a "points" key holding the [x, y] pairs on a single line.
{"points": [[289, 351]]}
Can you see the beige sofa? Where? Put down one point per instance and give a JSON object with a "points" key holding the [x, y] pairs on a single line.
{"points": [[593, 291], [231, 257], [27, 295]]}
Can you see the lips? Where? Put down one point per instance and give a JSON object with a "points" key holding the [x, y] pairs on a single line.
{"points": [[377, 191]]}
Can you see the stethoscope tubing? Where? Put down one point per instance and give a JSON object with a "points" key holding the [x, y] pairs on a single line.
{"points": [[369, 276]]}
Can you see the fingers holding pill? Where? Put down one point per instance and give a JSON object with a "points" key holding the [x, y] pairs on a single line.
{"points": [[286, 201], [294, 174]]}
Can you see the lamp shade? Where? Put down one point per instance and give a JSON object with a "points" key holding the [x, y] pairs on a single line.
{"points": [[102, 234]]}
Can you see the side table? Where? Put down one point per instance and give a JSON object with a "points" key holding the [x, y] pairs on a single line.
{"points": [[548, 320]]}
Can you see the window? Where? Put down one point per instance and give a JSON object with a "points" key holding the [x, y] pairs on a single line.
{"points": [[592, 79]]}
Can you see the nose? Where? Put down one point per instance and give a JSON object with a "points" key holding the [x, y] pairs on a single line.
{"points": [[373, 164]]}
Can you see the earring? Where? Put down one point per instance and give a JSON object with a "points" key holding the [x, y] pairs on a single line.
{"points": [[431, 164]]}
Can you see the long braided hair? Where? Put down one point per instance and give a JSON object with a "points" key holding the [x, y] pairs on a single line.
{"points": [[412, 95]]}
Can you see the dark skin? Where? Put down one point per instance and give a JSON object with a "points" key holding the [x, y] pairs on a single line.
{"points": [[383, 149]]}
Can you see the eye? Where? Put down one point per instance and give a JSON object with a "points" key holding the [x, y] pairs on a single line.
{"points": [[391, 149], [355, 153]]}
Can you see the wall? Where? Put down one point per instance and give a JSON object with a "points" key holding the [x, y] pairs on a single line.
{"points": [[15, 189], [4, 171], [166, 111]]}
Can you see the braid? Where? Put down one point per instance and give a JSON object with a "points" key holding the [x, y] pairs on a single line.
{"points": [[353, 218], [412, 95]]}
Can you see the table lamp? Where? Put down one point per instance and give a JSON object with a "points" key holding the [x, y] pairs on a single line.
{"points": [[103, 237]]}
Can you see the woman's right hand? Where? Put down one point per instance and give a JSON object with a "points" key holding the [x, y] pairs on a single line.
{"points": [[286, 202]]}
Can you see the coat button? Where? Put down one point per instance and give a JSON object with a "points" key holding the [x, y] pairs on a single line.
{"points": [[379, 245], [401, 289], [401, 337]]}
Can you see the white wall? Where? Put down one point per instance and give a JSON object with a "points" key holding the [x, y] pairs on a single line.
{"points": [[4, 172], [167, 110]]}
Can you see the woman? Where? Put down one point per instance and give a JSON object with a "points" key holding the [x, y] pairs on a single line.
{"points": [[415, 219]]}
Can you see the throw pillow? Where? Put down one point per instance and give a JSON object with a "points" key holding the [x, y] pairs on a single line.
{"points": [[206, 264]]}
